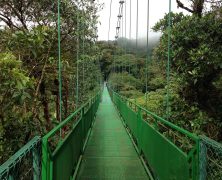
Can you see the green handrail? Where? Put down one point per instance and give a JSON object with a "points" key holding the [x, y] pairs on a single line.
{"points": [[166, 158], [168, 123], [62, 162]]}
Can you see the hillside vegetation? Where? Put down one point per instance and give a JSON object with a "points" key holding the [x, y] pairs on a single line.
{"points": [[195, 77]]}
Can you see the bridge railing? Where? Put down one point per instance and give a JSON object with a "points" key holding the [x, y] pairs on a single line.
{"points": [[210, 159], [24, 164], [169, 151], [62, 147]]}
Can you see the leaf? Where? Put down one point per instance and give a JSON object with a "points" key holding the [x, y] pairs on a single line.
{"points": [[195, 81], [34, 53]]}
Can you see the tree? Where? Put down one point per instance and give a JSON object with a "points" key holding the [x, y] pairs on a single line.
{"points": [[30, 37], [196, 7], [196, 58], [162, 24], [15, 102]]}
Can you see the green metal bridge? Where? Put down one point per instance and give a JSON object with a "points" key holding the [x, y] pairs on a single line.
{"points": [[111, 137], [109, 153]]}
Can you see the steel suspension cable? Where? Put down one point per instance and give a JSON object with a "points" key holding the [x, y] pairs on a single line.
{"points": [[137, 29], [59, 64], [122, 43], [77, 63], [110, 15], [125, 38], [147, 46], [130, 28], [83, 63], [168, 63]]}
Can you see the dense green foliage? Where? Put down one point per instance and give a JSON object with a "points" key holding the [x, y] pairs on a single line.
{"points": [[29, 81], [14, 114], [195, 78], [29, 94], [196, 60]]}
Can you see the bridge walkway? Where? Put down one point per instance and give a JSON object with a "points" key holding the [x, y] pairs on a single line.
{"points": [[110, 153]]}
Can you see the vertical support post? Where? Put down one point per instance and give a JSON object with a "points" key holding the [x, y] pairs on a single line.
{"points": [[45, 160], [147, 58], [137, 29], [168, 63], [60, 66], [83, 128], [202, 169], [77, 64], [36, 164], [139, 118]]}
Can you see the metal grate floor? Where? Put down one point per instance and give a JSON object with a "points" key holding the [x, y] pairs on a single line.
{"points": [[110, 153]]}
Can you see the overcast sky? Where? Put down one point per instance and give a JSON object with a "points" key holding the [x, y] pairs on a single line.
{"points": [[157, 10]]}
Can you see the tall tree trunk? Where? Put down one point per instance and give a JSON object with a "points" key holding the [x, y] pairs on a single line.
{"points": [[198, 6]]}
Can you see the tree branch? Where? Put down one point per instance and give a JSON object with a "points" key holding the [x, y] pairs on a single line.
{"points": [[19, 16], [181, 5], [8, 21]]}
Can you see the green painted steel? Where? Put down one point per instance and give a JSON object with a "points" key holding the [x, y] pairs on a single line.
{"points": [[59, 61], [25, 163], [166, 158], [61, 155], [210, 159], [168, 61], [110, 153]]}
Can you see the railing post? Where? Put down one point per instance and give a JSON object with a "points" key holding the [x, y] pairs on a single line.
{"points": [[139, 118], [36, 164], [83, 128], [202, 169], [45, 160]]}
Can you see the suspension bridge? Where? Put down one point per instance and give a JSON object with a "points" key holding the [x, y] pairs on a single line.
{"points": [[112, 137]]}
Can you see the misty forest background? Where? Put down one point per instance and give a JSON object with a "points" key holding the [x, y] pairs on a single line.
{"points": [[29, 95]]}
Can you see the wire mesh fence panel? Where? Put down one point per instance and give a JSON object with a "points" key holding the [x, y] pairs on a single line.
{"points": [[24, 164], [210, 159]]}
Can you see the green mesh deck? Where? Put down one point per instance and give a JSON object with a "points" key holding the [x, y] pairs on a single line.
{"points": [[110, 153]]}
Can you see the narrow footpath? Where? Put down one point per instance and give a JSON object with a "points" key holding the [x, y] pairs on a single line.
{"points": [[110, 153]]}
